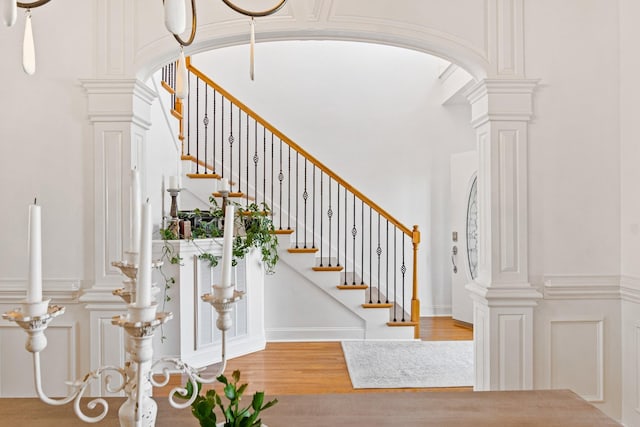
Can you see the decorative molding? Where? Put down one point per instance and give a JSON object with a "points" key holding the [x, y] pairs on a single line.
{"points": [[59, 290], [630, 289], [598, 351], [510, 38], [582, 287], [314, 334], [512, 343], [119, 100], [509, 194], [501, 100]]}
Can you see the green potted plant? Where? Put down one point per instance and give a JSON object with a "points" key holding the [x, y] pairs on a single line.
{"points": [[204, 405]]}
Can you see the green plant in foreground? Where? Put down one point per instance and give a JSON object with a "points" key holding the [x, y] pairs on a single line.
{"points": [[203, 406]]}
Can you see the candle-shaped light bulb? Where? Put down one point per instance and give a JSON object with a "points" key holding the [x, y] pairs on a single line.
{"points": [[227, 246], [175, 16], [28, 47], [34, 285], [182, 75], [9, 12], [143, 282], [136, 204]]}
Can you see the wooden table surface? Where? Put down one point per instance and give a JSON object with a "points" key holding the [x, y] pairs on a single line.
{"points": [[551, 408]]}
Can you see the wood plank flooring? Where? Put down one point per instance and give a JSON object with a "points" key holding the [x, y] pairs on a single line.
{"points": [[318, 367]]}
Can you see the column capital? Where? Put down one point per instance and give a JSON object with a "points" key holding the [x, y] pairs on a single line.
{"points": [[501, 100], [119, 100]]}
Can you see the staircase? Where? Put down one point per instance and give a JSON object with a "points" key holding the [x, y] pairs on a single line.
{"points": [[329, 232]]}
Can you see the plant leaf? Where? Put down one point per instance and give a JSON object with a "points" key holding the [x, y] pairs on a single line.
{"points": [[258, 398], [236, 375]]}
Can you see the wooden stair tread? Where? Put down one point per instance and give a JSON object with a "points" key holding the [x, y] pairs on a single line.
{"points": [[377, 305], [302, 250], [249, 213], [203, 175], [334, 268], [231, 194], [282, 231], [352, 287], [405, 323]]}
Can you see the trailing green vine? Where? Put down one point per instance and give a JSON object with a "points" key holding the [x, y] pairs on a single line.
{"points": [[253, 227]]}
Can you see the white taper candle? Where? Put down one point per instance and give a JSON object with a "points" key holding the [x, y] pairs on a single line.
{"points": [[143, 282], [136, 203], [34, 286], [227, 246]]}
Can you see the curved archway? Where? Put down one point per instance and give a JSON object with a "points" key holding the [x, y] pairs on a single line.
{"points": [[454, 49]]}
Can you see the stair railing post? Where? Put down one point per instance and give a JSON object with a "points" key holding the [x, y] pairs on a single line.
{"points": [[415, 302]]}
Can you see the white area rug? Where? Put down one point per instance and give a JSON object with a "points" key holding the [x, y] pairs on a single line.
{"points": [[415, 364]]}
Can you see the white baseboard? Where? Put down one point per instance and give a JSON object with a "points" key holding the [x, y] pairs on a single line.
{"points": [[314, 334], [435, 311]]}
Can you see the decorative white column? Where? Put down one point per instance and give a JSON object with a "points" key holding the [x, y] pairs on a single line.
{"points": [[119, 111], [503, 297]]}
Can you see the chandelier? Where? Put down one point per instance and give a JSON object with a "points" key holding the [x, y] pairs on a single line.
{"points": [[175, 18]]}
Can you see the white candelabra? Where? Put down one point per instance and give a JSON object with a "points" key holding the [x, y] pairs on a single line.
{"points": [[138, 375]]}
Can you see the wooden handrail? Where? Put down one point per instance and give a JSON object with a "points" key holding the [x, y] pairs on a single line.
{"points": [[296, 147]]}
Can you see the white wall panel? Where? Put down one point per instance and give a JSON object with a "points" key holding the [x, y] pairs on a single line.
{"points": [[58, 360], [576, 357]]}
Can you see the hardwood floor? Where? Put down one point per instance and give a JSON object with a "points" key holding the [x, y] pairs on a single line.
{"points": [[318, 367]]}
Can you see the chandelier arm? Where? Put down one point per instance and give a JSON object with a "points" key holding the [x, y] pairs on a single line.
{"points": [[255, 14], [194, 24], [32, 5]]}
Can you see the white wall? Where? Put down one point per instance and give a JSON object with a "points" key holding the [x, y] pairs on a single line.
{"points": [[629, 14], [372, 114]]}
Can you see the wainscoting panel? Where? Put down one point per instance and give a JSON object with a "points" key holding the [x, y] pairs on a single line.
{"points": [[576, 357], [58, 360], [511, 351], [636, 358], [107, 346]]}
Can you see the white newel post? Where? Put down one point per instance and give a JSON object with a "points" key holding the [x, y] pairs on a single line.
{"points": [[504, 300]]}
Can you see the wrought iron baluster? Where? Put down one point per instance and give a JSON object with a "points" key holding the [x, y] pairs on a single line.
{"points": [[313, 210], [189, 116], [297, 198], [379, 252], [346, 247], [231, 141], [272, 180], [214, 129], [280, 179], [370, 251], [329, 215], [305, 196], [321, 217], [338, 230], [387, 263], [222, 137], [395, 282], [239, 145], [205, 121], [197, 125], [288, 188], [354, 232], [362, 242], [247, 163], [403, 270], [255, 160]]}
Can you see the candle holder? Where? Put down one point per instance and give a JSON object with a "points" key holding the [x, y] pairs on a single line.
{"points": [[174, 223], [140, 373]]}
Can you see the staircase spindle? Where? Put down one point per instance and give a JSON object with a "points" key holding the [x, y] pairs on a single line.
{"points": [[313, 210], [379, 252], [403, 270], [338, 230], [280, 179], [231, 140], [362, 242], [297, 228], [329, 216], [346, 248], [387, 263], [247, 167], [205, 121], [197, 125], [395, 283], [321, 217], [354, 232], [305, 196]]}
